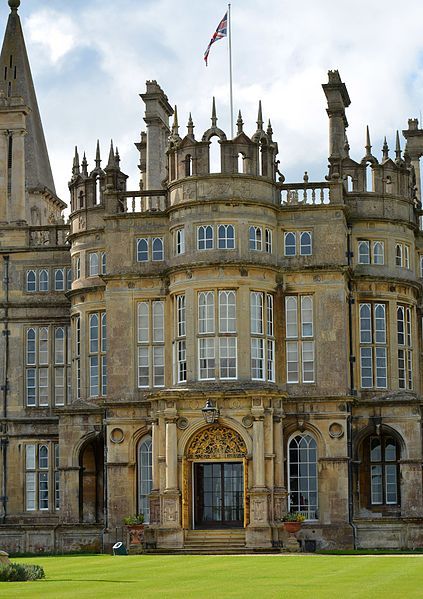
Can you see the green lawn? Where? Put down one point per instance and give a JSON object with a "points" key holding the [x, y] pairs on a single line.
{"points": [[218, 577]]}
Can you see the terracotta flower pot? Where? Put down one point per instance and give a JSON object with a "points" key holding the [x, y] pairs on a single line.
{"points": [[292, 527], [136, 534]]}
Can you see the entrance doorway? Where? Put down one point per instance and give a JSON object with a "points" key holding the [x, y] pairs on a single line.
{"points": [[219, 495]]}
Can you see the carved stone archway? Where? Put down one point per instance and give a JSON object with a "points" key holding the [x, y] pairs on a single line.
{"points": [[216, 442]]}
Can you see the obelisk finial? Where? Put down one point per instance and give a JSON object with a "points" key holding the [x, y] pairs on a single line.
{"points": [[14, 5]]}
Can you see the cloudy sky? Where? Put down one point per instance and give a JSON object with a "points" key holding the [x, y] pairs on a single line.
{"points": [[90, 60]]}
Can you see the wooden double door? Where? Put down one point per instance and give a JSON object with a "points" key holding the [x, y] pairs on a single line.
{"points": [[218, 495]]}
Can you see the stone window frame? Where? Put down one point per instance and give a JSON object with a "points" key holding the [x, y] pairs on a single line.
{"points": [[150, 338], [300, 339], [312, 446], [262, 336], [217, 345], [97, 354], [42, 280], [180, 359], [404, 320], [44, 370], [41, 476], [145, 475], [402, 255], [373, 341], [150, 253], [372, 255], [179, 236], [298, 246]]}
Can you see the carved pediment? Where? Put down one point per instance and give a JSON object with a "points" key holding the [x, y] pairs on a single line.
{"points": [[216, 442]]}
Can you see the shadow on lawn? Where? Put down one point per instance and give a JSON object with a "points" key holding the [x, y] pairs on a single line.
{"points": [[90, 580]]}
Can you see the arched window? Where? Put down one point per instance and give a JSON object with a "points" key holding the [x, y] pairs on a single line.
{"points": [[302, 475], [93, 264], [214, 156], [398, 254], [188, 165], [145, 476], [227, 312], [43, 280], [290, 244], [255, 238], [205, 237], [364, 252], [240, 163], [305, 244], [31, 280], [142, 250], [226, 237], [206, 312], [378, 252], [157, 249], [369, 177], [59, 280], [380, 475]]}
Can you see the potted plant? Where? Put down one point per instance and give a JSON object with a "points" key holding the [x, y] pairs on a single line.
{"points": [[292, 521], [135, 526]]}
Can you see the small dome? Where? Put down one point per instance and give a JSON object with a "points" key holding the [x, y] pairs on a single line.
{"points": [[14, 4]]}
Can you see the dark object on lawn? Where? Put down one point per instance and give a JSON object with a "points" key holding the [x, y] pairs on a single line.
{"points": [[119, 549]]}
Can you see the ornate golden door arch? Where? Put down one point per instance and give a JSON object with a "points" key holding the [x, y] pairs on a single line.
{"points": [[216, 442]]}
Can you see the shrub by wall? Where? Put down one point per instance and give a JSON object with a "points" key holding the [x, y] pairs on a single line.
{"points": [[20, 572]]}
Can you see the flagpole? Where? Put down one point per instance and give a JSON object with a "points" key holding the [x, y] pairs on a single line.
{"points": [[230, 71]]}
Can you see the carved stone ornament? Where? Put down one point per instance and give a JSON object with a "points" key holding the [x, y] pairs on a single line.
{"points": [[216, 442]]}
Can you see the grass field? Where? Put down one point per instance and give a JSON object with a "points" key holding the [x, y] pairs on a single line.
{"points": [[258, 577]]}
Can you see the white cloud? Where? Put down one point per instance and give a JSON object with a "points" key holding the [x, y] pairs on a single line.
{"points": [[54, 31]]}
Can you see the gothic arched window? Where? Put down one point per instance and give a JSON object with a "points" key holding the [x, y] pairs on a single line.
{"points": [[145, 476], [302, 475]]}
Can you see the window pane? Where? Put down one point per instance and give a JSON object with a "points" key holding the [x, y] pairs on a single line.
{"points": [[206, 359], [143, 367], [93, 321], [307, 317], [365, 324], [158, 248], [291, 317], [142, 250], [158, 366], [44, 280], [305, 244], [143, 323], [227, 312], [257, 359], [93, 264], [59, 280], [290, 244], [256, 312], [378, 252], [227, 357], [364, 252], [206, 312], [158, 321]]}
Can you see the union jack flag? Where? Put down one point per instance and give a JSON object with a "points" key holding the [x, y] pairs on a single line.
{"points": [[221, 31]]}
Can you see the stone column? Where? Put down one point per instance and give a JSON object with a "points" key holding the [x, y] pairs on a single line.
{"points": [[279, 491], [171, 534], [4, 138], [258, 533], [155, 456], [258, 452], [155, 491], [171, 456], [18, 205]]}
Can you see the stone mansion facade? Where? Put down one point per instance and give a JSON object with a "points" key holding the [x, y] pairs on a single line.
{"points": [[213, 349]]}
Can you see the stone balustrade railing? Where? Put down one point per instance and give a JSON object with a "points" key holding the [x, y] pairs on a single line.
{"points": [[143, 201], [312, 194]]}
